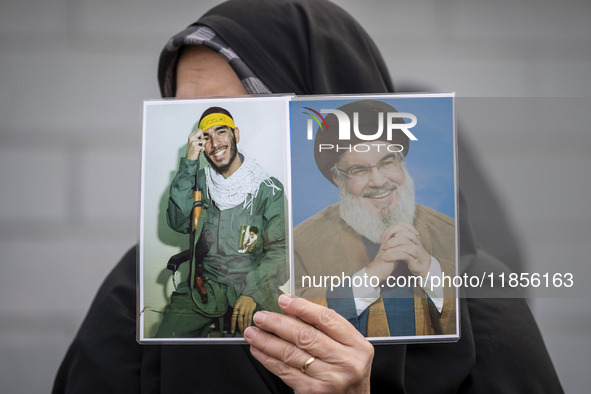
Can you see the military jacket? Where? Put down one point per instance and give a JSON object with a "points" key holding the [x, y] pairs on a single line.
{"points": [[252, 271]]}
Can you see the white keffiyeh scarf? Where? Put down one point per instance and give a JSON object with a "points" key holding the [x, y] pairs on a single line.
{"points": [[239, 188]]}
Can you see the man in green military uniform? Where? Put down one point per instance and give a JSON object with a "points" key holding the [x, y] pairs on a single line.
{"points": [[240, 198]]}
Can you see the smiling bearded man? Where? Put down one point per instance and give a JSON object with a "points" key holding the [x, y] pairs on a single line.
{"points": [[376, 230], [239, 196], [368, 223]]}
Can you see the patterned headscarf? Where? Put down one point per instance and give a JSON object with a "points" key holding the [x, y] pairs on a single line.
{"points": [[287, 46], [203, 36]]}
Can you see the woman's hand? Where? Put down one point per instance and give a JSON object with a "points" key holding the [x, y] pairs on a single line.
{"points": [[313, 350]]}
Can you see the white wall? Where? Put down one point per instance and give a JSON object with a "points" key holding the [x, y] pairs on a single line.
{"points": [[73, 75]]}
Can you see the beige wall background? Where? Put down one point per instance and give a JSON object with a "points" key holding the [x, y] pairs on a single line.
{"points": [[74, 73]]}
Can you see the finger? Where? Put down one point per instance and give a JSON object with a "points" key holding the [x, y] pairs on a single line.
{"points": [[401, 238], [326, 320], [416, 264], [247, 307], [281, 350], [233, 320], [410, 228], [389, 233], [196, 134], [402, 230], [241, 325], [406, 247], [400, 253], [399, 227], [337, 366], [247, 320], [197, 141], [194, 149], [293, 377], [196, 138], [300, 334]]}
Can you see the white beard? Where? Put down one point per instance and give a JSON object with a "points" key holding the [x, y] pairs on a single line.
{"points": [[355, 213]]}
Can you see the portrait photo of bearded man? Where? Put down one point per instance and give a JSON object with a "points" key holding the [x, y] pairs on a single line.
{"points": [[376, 230]]}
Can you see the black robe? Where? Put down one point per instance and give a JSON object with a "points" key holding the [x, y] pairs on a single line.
{"points": [[308, 47]]}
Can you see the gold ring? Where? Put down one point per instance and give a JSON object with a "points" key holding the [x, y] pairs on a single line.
{"points": [[307, 364]]}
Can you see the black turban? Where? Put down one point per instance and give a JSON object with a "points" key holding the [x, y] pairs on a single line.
{"points": [[368, 112]]}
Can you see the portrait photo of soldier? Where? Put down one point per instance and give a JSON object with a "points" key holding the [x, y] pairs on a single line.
{"points": [[237, 229]]}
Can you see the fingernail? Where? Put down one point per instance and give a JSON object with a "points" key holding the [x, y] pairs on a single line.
{"points": [[259, 317], [249, 333], [284, 300]]}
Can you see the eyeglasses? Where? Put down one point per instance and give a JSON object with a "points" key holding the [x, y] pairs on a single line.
{"points": [[358, 172]]}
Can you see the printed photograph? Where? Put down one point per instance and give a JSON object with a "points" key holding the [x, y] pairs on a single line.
{"points": [[214, 220], [374, 211]]}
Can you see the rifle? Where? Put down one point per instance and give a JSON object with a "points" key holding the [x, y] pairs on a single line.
{"points": [[196, 212], [197, 250]]}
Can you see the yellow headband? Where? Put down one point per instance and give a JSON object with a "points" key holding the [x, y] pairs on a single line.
{"points": [[216, 119]]}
